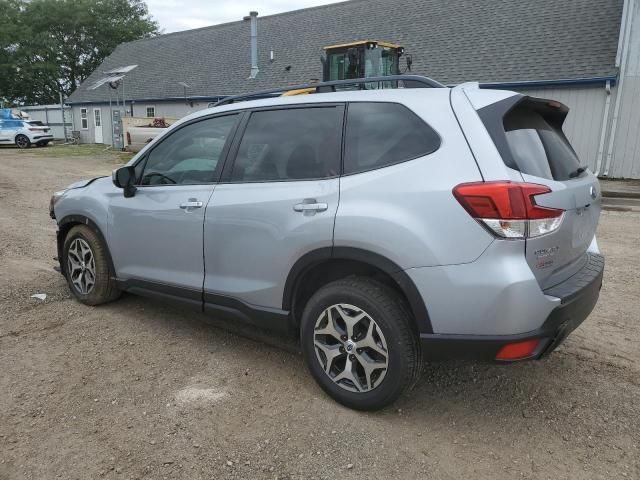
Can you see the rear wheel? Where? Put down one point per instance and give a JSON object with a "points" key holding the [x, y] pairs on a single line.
{"points": [[358, 343], [22, 141], [87, 267]]}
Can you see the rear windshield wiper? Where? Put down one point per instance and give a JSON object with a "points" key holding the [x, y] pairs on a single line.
{"points": [[577, 172]]}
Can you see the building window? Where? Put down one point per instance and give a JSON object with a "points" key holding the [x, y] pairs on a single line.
{"points": [[84, 120], [151, 112]]}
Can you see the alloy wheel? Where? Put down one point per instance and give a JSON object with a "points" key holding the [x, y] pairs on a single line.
{"points": [[22, 141], [81, 266], [351, 348]]}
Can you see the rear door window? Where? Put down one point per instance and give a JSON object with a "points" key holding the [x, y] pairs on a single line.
{"points": [[383, 134], [290, 145], [538, 144]]}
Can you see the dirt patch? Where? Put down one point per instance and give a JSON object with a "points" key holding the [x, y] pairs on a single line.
{"points": [[140, 390], [200, 395]]}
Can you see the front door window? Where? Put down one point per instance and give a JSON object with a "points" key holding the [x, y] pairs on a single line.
{"points": [[191, 155]]}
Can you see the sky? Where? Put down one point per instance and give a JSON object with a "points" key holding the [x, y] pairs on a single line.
{"points": [[177, 15]]}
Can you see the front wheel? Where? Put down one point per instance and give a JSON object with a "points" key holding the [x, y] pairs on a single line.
{"points": [[22, 141], [87, 267], [358, 343]]}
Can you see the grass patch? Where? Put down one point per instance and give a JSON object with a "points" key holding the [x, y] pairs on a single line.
{"points": [[66, 151], [123, 157]]}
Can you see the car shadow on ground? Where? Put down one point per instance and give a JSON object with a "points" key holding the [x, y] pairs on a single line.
{"points": [[514, 391]]}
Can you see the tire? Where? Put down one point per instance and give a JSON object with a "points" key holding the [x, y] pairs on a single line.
{"points": [[22, 141], [352, 298], [78, 265]]}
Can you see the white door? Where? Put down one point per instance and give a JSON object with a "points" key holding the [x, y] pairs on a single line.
{"points": [[97, 123]]}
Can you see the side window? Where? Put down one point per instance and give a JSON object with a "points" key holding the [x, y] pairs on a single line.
{"points": [[382, 134], [291, 144], [189, 156], [84, 120]]}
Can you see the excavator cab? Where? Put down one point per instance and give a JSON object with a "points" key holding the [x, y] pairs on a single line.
{"points": [[362, 59]]}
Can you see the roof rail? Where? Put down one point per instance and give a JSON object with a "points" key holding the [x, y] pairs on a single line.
{"points": [[409, 81]]}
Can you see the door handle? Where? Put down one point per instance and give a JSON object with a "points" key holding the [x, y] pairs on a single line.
{"points": [[192, 203], [310, 206]]}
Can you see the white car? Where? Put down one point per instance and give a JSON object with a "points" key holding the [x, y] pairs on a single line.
{"points": [[21, 132]]}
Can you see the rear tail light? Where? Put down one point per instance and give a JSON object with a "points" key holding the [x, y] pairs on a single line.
{"points": [[509, 209], [518, 350]]}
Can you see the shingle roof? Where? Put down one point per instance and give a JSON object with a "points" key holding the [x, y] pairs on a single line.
{"points": [[450, 40]]}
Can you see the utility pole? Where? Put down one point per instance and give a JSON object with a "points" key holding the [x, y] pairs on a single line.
{"points": [[64, 121]]}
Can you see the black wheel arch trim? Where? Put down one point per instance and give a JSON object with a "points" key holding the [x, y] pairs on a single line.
{"points": [[80, 220], [402, 280], [302, 266]]}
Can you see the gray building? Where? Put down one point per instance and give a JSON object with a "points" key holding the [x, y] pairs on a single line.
{"points": [[584, 53]]}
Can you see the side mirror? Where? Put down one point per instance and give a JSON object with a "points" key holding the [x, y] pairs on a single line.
{"points": [[125, 178]]}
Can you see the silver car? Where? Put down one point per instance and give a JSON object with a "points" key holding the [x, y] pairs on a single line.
{"points": [[382, 227]]}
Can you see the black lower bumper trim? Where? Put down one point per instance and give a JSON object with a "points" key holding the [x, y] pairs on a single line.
{"points": [[476, 347], [578, 296]]}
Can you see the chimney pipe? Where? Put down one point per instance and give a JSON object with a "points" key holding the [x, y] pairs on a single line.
{"points": [[253, 17]]}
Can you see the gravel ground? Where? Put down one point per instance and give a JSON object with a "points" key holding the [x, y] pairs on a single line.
{"points": [[139, 390]]}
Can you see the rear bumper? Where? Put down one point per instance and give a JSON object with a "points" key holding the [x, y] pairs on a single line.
{"points": [[578, 296]]}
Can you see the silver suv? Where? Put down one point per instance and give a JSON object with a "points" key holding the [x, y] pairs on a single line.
{"points": [[383, 227]]}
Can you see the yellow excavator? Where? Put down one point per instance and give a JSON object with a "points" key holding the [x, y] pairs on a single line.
{"points": [[361, 59]]}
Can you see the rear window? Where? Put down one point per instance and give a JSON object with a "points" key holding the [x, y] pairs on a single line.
{"points": [[538, 145]]}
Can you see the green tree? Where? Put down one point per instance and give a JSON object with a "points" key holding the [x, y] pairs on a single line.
{"points": [[10, 36], [57, 44]]}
